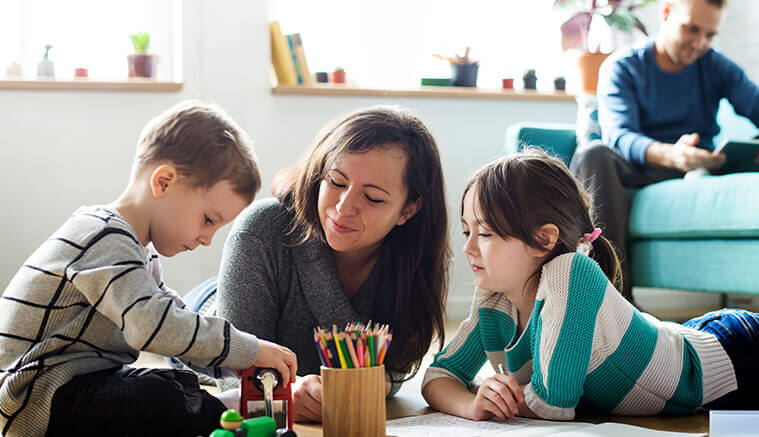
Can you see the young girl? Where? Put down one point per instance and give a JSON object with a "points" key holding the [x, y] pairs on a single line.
{"points": [[547, 309]]}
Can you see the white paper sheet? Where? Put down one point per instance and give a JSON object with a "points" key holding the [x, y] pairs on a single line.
{"points": [[445, 425]]}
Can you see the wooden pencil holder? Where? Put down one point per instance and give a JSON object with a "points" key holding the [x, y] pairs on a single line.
{"points": [[353, 402]]}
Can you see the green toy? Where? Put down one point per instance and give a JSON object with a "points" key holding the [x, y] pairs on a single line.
{"points": [[230, 420], [263, 426], [233, 424]]}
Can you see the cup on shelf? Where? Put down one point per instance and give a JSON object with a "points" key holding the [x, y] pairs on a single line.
{"points": [[322, 77]]}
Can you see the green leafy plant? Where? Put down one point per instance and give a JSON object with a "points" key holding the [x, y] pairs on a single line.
{"points": [[618, 14], [339, 69], [140, 41]]}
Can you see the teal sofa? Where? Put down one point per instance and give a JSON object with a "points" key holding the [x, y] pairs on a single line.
{"points": [[698, 234]]}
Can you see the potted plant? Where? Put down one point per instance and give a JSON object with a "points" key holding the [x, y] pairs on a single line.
{"points": [[530, 80], [576, 30], [339, 75], [141, 63], [559, 83]]}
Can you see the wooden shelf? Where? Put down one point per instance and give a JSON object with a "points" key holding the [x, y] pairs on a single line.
{"points": [[426, 91], [91, 85]]}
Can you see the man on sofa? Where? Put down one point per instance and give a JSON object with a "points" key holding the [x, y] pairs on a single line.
{"points": [[657, 106]]}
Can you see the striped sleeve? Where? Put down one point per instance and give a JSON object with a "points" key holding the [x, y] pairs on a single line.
{"points": [[569, 300], [127, 294], [464, 355]]}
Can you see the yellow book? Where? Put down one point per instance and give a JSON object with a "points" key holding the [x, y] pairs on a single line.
{"points": [[300, 60], [281, 58]]}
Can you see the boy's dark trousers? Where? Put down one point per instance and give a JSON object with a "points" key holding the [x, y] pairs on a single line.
{"points": [[134, 402]]}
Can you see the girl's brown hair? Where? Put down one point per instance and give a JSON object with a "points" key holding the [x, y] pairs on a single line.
{"points": [[419, 249], [519, 193]]}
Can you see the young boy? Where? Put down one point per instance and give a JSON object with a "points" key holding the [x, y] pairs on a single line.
{"points": [[91, 297]]}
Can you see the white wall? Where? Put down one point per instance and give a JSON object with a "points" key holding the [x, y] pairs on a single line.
{"points": [[739, 38], [64, 149]]}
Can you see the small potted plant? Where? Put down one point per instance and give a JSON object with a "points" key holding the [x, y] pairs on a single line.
{"points": [[559, 83], [46, 67], [339, 75], [141, 63], [530, 80], [617, 17]]}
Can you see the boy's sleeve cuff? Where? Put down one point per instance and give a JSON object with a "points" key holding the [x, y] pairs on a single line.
{"points": [[542, 409], [243, 350]]}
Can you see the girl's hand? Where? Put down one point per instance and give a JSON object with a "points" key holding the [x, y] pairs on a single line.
{"points": [[497, 396], [307, 399]]}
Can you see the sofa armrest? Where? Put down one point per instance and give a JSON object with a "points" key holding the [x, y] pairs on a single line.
{"points": [[557, 139]]}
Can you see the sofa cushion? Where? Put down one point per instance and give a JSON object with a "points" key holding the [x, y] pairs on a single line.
{"points": [[727, 266], [556, 139], [705, 207]]}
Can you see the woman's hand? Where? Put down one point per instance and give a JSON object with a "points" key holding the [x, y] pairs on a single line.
{"points": [[307, 399], [497, 396]]}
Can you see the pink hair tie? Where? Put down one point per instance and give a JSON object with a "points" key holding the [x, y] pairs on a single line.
{"points": [[585, 243]]}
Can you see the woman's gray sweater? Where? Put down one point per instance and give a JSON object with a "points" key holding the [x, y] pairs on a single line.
{"points": [[280, 291]]}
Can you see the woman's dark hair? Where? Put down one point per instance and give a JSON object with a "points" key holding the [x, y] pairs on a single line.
{"points": [[419, 249], [519, 193]]}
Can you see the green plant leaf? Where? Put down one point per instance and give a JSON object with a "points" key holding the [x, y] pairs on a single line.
{"points": [[140, 41], [621, 19]]}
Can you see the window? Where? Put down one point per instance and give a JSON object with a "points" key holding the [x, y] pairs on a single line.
{"points": [[391, 42], [91, 34]]}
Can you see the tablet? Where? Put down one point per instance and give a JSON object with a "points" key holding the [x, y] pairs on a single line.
{"points": [[740, 156]]}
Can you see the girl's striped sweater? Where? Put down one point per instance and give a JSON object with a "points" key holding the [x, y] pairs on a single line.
{"points": [[585, 343]]}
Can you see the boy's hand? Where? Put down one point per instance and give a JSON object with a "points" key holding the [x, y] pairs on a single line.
{"points": [[307, 399], [278, 357], [498, 395]]}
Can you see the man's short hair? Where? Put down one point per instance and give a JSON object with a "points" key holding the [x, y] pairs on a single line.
{"points": [[205, 145], [721, 4], [718, 3]]}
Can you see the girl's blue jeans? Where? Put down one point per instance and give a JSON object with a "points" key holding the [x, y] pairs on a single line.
{"points": [[738, 331]]}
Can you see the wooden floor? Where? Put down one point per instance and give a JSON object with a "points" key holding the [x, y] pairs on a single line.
{"points": [[409, 401]]}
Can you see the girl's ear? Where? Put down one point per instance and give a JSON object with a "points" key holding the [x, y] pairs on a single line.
{"points": [[163, 177], [547, 236], [409, 211]]}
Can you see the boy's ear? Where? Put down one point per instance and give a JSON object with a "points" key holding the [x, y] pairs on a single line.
{"points": [[547, 236], [162, 178], [409, 210]]}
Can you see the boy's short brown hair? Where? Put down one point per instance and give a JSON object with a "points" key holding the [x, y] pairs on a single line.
{"points": [[205, 145]]}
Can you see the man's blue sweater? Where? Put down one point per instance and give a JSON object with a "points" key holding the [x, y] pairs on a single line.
{"points": [[638, 103]]}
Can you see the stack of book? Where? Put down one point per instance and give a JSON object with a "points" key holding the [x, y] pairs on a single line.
{"points": [[288, 57]]}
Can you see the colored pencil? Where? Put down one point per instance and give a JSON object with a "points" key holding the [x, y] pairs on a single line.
{"points": [[346, 355], [336, 339], [356, 346]]}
